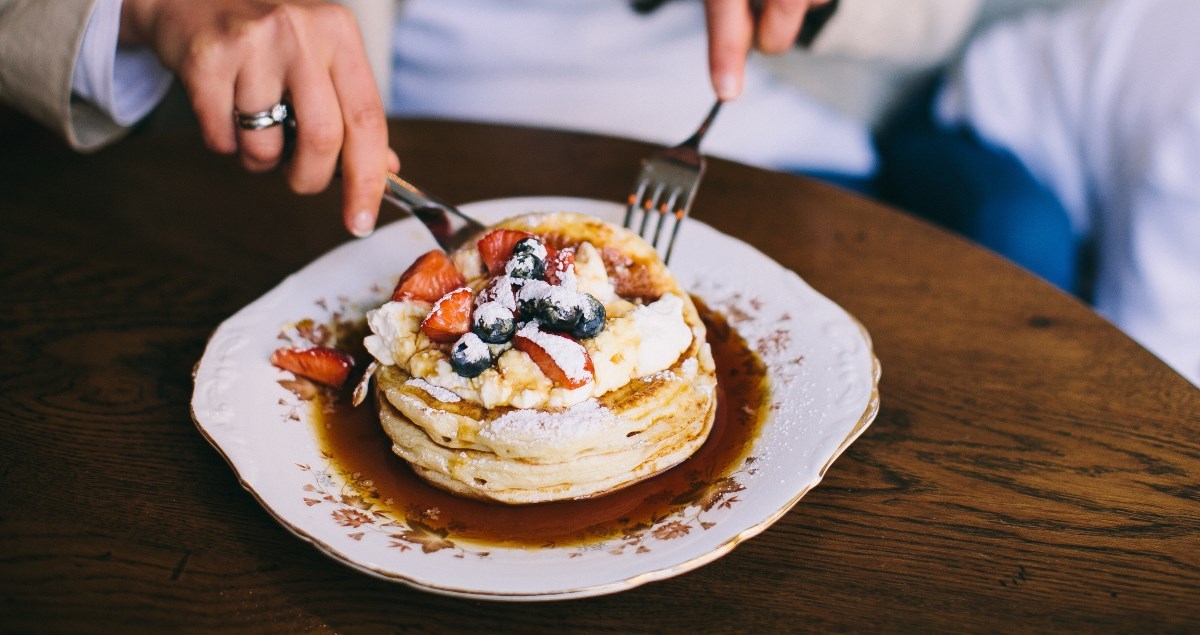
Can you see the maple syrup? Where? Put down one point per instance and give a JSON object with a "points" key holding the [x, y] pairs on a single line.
{"points": [[359, 447]]}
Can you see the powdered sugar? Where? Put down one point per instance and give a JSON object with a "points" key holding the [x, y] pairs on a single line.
{"points": [[663, 375], [499, 290], [567, 278], [536, 248], [566, 353], [437, 392], [581, 420], [533, 290], [492, 312], [473, 348], [566, 298], [562, 268]]}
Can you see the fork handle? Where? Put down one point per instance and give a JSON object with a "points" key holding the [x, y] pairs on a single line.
{"points": [[698, 136]]}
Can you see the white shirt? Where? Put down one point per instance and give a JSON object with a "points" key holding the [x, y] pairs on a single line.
{"points": [[125, 82], [1102, 104], [597, 66], [588, 65]]}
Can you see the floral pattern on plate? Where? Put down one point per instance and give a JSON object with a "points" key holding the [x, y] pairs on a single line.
{"points": [[822, 371]]}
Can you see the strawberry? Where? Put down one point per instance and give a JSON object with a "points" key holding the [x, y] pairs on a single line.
{"points": [[432, 276], [558, 263], [500, 289], [550, 350], [450, 317], [496, 247], [321, 364]]}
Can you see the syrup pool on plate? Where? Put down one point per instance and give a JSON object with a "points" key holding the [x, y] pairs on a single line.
{"points": [[361, 451]]}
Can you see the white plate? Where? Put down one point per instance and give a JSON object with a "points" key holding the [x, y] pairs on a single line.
{"points": [[824, 391]]}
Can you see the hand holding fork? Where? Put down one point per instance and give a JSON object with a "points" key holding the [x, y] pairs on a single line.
{"points": [[666, 187]]}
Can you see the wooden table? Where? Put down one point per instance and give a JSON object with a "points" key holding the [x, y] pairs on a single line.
{"points": [[1031, 468]]}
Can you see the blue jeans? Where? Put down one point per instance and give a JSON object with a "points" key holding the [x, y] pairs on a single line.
{"points": [[952, 178]]}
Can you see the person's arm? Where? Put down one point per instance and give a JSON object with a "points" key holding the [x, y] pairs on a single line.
{"points": [[229, 54], [40, 42], [124, 82]]}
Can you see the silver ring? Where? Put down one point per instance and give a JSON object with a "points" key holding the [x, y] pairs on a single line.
{"points": [[269, 118]]}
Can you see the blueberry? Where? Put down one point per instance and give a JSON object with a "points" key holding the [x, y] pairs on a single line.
{"points": [[529, 296], [470, 356], [526, 265], [493, 323], [560, 309], [530, 245], [591, 319]]}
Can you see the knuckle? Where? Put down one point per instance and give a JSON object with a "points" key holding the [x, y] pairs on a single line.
{"points": [[367, 116], [201, 58], [365, 180], [266, 29], [245, 35], [323, 139], [284, 17], [338, 16]]}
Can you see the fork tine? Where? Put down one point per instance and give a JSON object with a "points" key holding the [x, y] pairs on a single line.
{"points": [[635, 200], [666, 186], [663, 213], [649, 206], [680, 214]]}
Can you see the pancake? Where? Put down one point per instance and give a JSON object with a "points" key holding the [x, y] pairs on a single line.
{"points": [[572, 443]]}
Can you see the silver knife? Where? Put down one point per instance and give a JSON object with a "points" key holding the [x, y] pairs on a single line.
{"points": [[448, 224]]}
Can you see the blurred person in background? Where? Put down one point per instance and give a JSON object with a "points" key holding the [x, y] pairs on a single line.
{"points": [[1051, 134], [1070, 142], [90, 68]]}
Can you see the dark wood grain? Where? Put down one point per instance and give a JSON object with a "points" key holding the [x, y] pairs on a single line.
{"points": [[1031, 467]]}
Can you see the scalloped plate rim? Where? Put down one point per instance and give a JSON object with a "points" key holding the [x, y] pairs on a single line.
{"points": [[533, 203]]}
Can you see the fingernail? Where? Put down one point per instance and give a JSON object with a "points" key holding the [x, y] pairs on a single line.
{"points": [[727, 86], [363, 224]]}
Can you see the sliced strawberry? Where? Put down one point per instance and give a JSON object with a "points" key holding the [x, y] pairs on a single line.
{"points": [[450, 317], [555, 353], [558, 263], [321, 364], [496, 247], [432, 276], [499, 289]]}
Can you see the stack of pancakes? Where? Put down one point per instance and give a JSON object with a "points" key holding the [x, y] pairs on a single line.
{"points": [[605, 443]]}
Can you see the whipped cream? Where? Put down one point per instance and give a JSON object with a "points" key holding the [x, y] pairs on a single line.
{"points": [[396, 330], [591, 276], [662, 334]]}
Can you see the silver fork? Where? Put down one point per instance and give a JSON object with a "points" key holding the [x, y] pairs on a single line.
{"points": [[666, 187]]}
